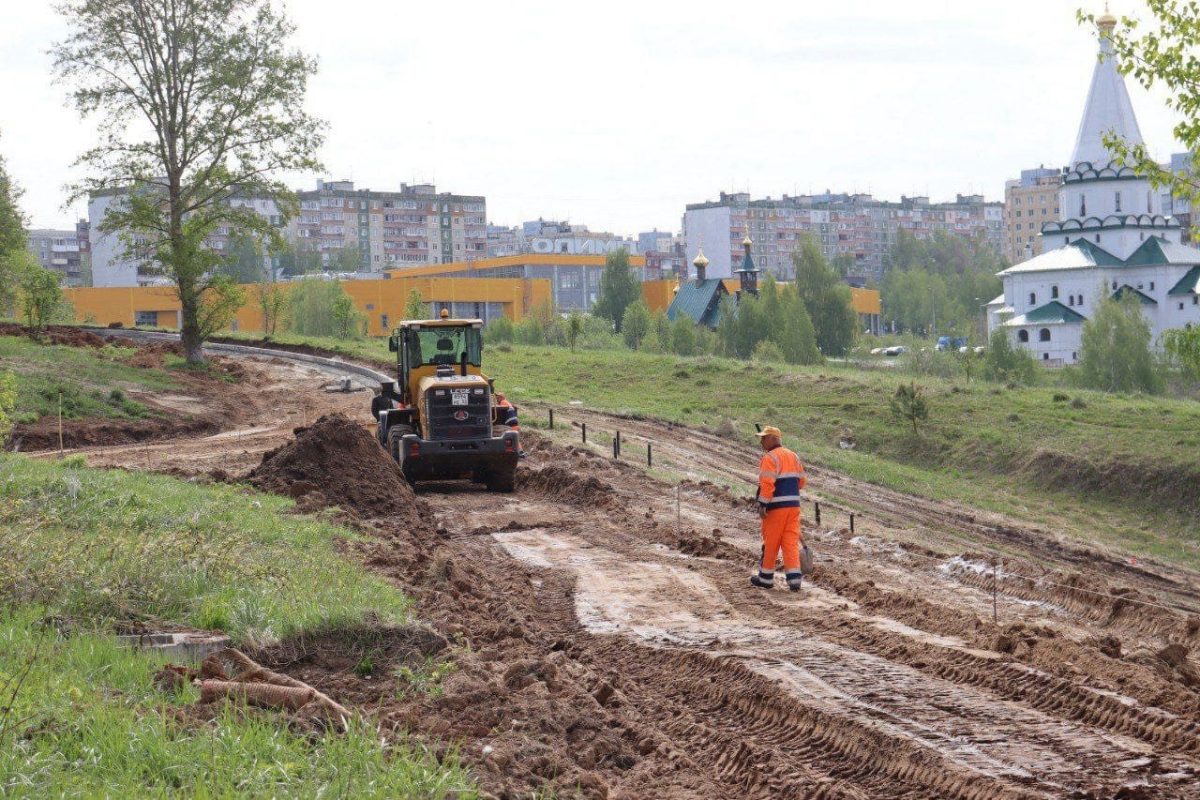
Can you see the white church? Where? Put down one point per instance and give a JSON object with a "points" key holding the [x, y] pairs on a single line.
{"points": [[1111, 239]]}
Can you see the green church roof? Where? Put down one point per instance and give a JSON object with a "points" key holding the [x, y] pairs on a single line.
{"points": [[1127, 289], [699, 300], [1083, 254], [1052, 312], [1188, 284]]}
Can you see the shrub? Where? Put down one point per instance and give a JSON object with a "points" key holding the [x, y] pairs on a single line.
{"points": [[767, 352], [1007, 364], [322, 308], [636, 324], [1115, 355], [909, 404], [500, 330], [683, 336]]}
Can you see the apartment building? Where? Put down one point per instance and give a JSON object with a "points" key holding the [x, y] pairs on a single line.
{"points": [[352, 230], [63, 251], [1029, 202], [376, 230], [856, 227]]}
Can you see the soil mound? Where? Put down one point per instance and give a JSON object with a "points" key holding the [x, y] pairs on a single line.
{"points": [[336, 462], [43, 434], [561, 484]]}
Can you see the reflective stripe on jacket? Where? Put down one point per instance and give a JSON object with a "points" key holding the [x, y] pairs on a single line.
{"points": [[780, 479]]}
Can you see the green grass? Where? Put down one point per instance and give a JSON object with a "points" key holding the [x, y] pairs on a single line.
{"points": [[104, 545], [83, 549], [93, 382], [87, 722]]}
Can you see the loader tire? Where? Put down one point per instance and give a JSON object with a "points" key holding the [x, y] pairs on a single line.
{"points": [[393, 442], [502, 480]]}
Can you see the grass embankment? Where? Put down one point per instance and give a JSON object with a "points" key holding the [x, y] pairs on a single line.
{"points": [[92, 382], [1122, 470], [82, 551]]}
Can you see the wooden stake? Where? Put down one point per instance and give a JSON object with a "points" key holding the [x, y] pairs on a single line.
{"points": [[60, 430], [649, 455], [995, 614], [678, 512]]}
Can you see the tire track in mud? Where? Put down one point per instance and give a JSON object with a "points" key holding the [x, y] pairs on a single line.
{"points": [[974, 732], [717, 455]]}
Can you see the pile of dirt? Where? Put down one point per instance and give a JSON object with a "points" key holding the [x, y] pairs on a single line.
{"points": [[336, 461], [562, 484], [55, 334], [710, 545], [150, 355]]}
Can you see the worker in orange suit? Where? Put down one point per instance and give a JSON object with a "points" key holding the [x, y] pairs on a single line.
{"points": [[780, 479], [508, 416]]}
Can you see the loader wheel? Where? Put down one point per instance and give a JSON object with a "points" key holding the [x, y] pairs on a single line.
{"points": [[393, 441], [502, 480]]}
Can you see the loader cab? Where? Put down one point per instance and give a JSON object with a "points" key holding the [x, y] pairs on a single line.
{"points": [[424, 346]]}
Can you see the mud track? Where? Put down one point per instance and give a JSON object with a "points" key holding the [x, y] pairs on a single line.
{"points": [[606, 646]]}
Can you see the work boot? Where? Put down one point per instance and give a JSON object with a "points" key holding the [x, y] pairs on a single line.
{"points": [[794, 582], [763, 580]]}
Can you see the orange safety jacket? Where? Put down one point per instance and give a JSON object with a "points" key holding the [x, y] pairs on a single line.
{"points": [[780, 479], [509, 415]]}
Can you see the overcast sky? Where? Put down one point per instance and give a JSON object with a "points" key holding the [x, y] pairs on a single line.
{"points": [[617, 114]]}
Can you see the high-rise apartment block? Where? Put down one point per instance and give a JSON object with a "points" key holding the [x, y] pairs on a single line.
{"points": [[377, 230], [849, 225], [63, 251], [352, 230], [1029, 202]]}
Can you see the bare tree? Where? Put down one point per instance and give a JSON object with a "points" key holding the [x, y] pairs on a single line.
{"points": [[198, 103]]}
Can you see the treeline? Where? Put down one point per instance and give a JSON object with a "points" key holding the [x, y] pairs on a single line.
{"points": [[938, 285], [797, 323]]}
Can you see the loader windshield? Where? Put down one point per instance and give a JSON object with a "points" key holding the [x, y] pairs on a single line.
{"points": [[444, 346]]}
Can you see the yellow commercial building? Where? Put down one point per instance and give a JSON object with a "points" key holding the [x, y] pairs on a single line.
{"points": [[381, 301], [574, 279]]}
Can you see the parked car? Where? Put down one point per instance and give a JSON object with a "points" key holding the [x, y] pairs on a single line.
{"points": [[895, 350], [945, 343]]}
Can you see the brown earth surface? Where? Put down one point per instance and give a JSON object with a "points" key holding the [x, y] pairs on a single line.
{"points": [[606, 640]]}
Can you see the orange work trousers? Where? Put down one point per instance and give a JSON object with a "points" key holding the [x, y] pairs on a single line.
{"points": [[781, 529]]}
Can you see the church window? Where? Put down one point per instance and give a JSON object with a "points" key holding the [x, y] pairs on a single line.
{"points": [[1033, 298], [1071, 300], [1074, 356], [1148, 208], [1152, 286], [1118, 207], [1196, 299], [1045, 356], [1053, 292], [1083, 205], [1181, 306], [1022, 336], [1044, 335], [1097, 238]]}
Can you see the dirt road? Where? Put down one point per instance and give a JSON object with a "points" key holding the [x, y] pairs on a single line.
{"points": [[612, 644]]}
